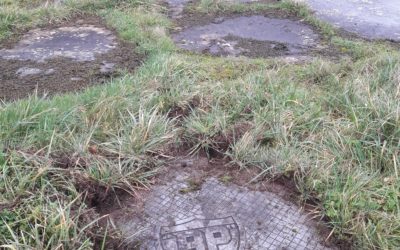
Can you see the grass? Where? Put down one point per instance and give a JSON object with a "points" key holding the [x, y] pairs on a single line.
{"points": [[334, 126]]}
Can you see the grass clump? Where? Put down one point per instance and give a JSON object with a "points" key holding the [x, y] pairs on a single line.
{"points": [[334, 126]]}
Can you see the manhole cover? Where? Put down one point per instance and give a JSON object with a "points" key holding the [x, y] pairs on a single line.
{"points": [[219, 216], [249, 35]]}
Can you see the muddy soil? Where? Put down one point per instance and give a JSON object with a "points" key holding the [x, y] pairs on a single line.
{"points": [[29, 68], [271, 33]]}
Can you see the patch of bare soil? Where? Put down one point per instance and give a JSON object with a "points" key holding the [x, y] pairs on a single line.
{"points": [[180, 112], [60, 75], [100, 200]]}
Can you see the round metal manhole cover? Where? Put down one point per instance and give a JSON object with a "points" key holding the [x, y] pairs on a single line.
{"points": [[218, 216]]}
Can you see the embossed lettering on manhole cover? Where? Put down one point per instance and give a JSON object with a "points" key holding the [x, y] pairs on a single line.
{"points": [[204, 234]]}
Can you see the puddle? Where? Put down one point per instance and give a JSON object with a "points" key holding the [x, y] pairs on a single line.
{"points": [[254, 36], [180, 215], [372, 19], [62, 59]]}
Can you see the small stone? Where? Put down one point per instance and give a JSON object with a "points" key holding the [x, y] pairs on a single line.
{"points": [[58, 2], [186, 163], [280, 46], [26, 71], [49, 72], [107, 68], [219, 20], [75, 79]]}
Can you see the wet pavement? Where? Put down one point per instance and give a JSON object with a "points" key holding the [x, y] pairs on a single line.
{"points": [[241, 35], [77, 43], [372, 19], [220, 216]]}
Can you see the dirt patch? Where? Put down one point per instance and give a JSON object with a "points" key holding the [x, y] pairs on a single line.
{"points": [[53, 69], [270, 33], [182, 111]]}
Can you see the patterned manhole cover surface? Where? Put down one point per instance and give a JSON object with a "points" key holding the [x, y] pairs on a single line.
{"points": [[219, 216]]}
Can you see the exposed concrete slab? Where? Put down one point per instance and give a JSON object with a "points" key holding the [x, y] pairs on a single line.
{"points": [[180, 216], [235, 36], [77, 43], [373, 19]]}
